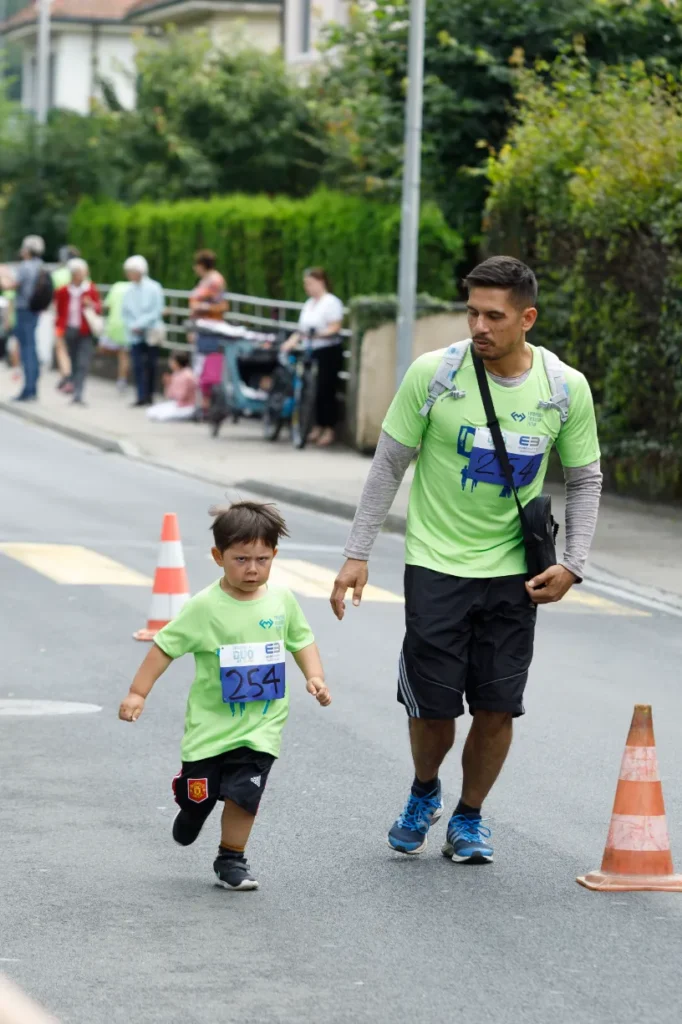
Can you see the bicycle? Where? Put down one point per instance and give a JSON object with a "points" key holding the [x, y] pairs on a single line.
{"points": [[293, 396]]}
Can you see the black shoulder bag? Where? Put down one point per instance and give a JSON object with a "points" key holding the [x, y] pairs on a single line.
{"points": [[538, 526]]}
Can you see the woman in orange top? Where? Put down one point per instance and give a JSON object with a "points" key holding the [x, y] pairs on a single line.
{"points": [[207, 302]]}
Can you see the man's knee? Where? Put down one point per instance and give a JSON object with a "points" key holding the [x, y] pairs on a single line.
{"points": [[492, 721]]}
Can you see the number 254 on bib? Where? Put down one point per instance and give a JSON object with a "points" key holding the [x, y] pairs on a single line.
{"points": [[252, 672]]}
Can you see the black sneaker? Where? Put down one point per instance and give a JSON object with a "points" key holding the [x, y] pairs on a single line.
{"points": [[187, 827], [232, 871]]}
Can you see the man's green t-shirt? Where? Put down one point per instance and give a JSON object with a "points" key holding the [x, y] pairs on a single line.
{"points": [[462, 518], [211, 620]]}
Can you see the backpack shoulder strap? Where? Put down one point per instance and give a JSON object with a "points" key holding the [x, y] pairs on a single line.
{"points": [[444, 378], [560, 398]]}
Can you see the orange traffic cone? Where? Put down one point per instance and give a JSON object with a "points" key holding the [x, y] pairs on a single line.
{"points": [[637, 854], [171, 589]]}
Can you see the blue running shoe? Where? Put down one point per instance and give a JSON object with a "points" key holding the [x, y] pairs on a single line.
{"points": [[468, 840], [408, 835]]}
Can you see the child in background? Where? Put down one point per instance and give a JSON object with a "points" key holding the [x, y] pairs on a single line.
{"points": [[180, 392], [238, 630]]}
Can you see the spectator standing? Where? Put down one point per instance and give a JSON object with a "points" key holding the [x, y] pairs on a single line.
{"points": [[180, 392], [115, 336], [7, 316], [142, 315], [74, 301], [322, 319], [207, 302], [27, 279], [61, 277]]}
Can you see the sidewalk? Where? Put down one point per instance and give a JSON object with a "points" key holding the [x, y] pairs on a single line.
{"points": [[635, 542]]}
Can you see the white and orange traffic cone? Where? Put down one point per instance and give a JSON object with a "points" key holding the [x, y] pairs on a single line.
{"points": [[637, 854], [171, 588]]}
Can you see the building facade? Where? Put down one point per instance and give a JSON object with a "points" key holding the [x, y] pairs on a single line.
{"points": [[95, 40]]}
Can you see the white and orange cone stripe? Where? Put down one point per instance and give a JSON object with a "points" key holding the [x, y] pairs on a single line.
{"points": [[637, 854], [171, 587]]}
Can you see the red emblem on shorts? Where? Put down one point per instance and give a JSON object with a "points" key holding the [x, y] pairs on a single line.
{"points": [[197, 790]]}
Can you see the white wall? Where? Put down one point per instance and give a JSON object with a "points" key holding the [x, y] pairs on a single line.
{"points": [[79, 55], [261, 30], [117, 64], [73, 71]]}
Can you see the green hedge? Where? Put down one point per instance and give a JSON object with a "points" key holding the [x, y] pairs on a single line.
{"points": [[588, 192], [264, 243]]}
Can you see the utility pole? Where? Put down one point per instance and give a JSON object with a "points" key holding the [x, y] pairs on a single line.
{"points": [[43, 61], [409, 223]]}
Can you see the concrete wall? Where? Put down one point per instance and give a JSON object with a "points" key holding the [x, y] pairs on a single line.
{"points": [[374, 378]]}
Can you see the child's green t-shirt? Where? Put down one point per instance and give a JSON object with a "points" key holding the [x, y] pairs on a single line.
{"points": [[211, 620]]}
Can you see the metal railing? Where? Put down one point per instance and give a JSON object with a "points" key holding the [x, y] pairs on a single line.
{"points": [[250, 310]]}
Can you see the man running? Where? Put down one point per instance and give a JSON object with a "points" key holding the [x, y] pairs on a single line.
{"points": [[470, 610]]}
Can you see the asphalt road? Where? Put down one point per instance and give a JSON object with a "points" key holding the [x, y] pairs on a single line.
{"points": [[106, 921]]}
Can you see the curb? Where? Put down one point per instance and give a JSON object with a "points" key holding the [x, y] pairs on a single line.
{"points": [[101, 441], [316, 503]]}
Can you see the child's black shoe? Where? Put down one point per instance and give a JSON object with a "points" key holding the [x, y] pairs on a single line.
{"points": [[232, 871]]}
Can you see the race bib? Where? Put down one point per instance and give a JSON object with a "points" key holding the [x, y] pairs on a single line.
{"points": [[525, 453], [252, 672]]}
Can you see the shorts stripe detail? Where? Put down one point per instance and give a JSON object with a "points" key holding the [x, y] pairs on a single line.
{"points": [[406, 689]]}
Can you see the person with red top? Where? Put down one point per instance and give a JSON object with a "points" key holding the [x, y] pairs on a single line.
{"points": [[75, 302], [180, 392]]}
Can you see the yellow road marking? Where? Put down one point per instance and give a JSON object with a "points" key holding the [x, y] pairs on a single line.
{"points": [[582, 601], [311, 580], [70, 563]]}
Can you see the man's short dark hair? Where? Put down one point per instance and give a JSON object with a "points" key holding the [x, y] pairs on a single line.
{"points": [[246, 522], [507, 273]]}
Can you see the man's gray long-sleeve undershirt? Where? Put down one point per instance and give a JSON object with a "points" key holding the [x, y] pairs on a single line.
{"points": [[391, 461]]}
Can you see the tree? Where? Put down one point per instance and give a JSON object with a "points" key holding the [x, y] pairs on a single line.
{"points": [[474, 49], [212, 121]]}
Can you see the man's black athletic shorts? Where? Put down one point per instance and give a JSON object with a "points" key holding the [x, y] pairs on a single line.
{"points": [[468, 638], [239, 775]]}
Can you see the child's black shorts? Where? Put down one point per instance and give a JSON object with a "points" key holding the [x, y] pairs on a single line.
{"points": [[239, 775]]}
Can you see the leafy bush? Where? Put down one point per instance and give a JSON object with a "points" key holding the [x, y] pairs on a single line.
{"points": [[264, 244], [472, 51], [588, 190]]}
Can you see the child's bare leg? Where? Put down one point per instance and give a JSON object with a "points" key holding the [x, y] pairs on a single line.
{"points": [[62, 357], [236, 827]]}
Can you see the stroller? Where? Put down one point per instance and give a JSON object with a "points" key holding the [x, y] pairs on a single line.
{"points": [[249, 359]]}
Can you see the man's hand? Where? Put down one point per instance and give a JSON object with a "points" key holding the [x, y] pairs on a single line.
{"points": [[551, 585], [353, 576], [317, 686], [131, 708]]}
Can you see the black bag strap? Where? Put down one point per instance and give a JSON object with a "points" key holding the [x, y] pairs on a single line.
{"points": [[500, 450]]}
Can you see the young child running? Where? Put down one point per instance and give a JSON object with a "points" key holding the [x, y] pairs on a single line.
{"points": [[238, 630]]}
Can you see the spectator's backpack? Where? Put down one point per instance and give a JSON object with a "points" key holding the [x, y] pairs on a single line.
{"points": [[43, 291], [444, 380]]}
